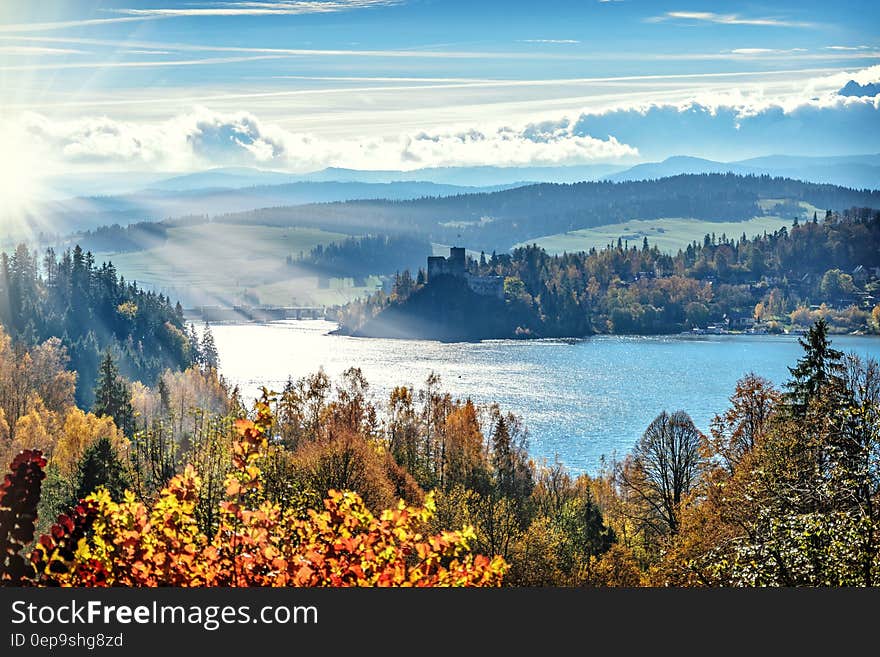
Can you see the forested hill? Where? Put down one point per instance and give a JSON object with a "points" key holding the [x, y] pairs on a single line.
{"points": [[498, 220], [91, 309], [828, 269]]}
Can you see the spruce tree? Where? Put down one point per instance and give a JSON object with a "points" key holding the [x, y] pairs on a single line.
{"points": [[210, 357], [818, 372], [195, 349], [113, 396], [100, 465], [502, 457]]}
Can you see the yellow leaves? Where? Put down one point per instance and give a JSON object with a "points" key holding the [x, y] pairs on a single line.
{"points": [[35, 430], [257, 544], [429, 505], [78, 432], [128, 309]]}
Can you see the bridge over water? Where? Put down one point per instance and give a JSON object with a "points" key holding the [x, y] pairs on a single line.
{"points": [[255, 313]]}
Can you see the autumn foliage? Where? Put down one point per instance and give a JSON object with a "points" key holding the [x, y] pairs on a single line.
{"points": [[256, 543]]}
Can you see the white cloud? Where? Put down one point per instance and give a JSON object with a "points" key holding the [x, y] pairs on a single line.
{"points": [[204, 138], [556, 41], [794, 54], [261, 8], [62, 25], [720, 118], [765, 51], [738, 123], [209, 9], [38, 50], [856, 48], [210, 61], [726, 19], [537, 144]]}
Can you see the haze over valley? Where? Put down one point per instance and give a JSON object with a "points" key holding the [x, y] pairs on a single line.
{"points": [[576, 293]]}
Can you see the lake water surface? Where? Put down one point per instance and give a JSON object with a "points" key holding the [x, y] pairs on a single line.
{"points": [[581, 399]]}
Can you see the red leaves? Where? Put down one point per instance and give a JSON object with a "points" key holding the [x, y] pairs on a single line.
{"points": [[19, 497], [54, 556]]}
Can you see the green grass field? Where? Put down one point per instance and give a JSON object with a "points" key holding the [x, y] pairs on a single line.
{"points": [[668, 234], [219, 263], [807, 209]]}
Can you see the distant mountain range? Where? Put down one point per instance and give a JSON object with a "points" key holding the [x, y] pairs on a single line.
{"points": [[485, 176], [856, 171], [117, 183], [500, 219], [84, 213], [221, 191]]}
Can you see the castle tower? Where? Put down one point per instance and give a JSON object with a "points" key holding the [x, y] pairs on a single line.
{"points": [[457, 261]]}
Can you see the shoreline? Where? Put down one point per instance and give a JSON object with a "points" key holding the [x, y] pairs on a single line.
{"points": [[694, 333]]}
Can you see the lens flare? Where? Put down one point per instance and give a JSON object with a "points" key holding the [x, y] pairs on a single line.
{"points": [[22, 176]]}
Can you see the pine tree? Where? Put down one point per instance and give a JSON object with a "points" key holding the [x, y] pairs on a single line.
{"points": [[817, 372], [502, 457], [100, 465], [113, 396], [210, 357], [195, 350]]}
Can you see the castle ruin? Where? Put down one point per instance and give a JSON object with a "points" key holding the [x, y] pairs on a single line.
{"points": [[456, 266]]}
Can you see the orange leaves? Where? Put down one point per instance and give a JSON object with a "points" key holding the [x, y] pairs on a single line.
{"points": [[107, 543], [351, 547], [343, 545], [252, 442]]}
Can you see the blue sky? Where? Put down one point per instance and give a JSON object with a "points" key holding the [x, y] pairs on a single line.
{"points": [[299, 85]]}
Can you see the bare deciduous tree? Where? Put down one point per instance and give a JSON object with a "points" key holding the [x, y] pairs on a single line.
{"points": [[662, 469]]}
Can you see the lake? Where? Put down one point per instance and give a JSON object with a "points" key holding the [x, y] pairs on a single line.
{"points": [[580, 399]]}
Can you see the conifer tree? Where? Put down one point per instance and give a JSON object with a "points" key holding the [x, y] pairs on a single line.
{"points": [[113, 396], [502, 456], [210, 357], [817, 372], [100, 465], [195, 350]]}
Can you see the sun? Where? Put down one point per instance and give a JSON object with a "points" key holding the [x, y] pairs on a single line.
{"points": [[21, 185]]}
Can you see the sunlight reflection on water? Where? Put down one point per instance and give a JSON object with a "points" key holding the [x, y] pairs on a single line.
{"points": [[580, 399]]}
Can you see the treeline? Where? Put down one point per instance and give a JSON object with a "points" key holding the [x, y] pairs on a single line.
{"points": [[784, 490], [467, 463], [121, 239], [634, 288], [91, 309], [359, 257], [501, 219], [38, 409]]}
